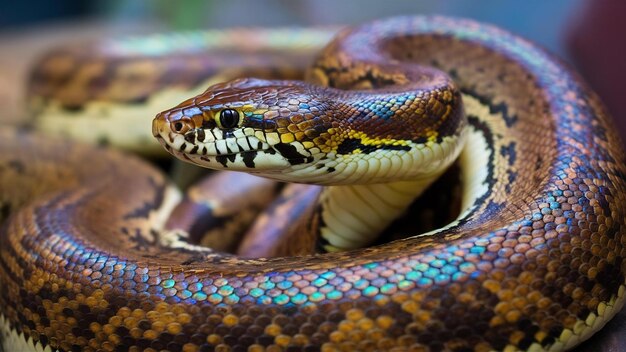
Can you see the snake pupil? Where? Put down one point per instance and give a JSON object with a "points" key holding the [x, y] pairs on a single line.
{"points": [[229, 118]]}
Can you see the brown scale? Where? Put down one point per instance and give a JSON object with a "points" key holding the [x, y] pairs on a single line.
{"points": [[544, 249]]}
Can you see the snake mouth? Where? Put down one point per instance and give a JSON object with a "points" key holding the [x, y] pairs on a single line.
{"points": [[239, 149], [219, 149]]}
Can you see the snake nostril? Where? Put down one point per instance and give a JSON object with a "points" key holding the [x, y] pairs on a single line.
{"points": [[181, 126]]}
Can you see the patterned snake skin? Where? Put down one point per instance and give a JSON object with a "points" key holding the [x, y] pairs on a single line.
{"points": [[535, 261]]}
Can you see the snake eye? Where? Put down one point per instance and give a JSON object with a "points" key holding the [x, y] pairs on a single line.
{"points": [[229, 118]]}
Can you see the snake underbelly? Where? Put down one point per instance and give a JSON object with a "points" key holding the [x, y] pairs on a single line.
{"points": [[536, 260]]}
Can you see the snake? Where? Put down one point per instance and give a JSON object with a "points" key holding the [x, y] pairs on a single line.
{"points": [[533, 261]]}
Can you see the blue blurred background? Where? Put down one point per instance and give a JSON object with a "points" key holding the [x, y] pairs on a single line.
{"points": [[543, 21]]}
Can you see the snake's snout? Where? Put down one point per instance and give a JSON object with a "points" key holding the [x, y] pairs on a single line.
{"points": [[157, 125], [168, 121]]}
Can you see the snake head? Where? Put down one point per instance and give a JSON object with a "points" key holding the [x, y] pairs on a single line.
{"points": [[251, 125], [300, 132]]}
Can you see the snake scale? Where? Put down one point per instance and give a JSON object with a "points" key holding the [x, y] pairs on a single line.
{"points": [[535, 260]]}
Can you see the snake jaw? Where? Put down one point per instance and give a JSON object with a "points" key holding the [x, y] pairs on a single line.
{"points": [[239, 149]]}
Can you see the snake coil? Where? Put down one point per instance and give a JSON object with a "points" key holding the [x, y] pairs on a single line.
{"points": [[535, 261]]}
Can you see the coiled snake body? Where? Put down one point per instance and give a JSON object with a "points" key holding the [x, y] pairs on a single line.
{"points": [[535, 261]]}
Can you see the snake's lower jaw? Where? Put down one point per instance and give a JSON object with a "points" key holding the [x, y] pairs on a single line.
{"points": [[255, 156], [160, 130], [238, 152], [262, 162]]}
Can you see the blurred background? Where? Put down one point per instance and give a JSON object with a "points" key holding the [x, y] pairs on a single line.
{"points": [[542, 21], [589, 34]]}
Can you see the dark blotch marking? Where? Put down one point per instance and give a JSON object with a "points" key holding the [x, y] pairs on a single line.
{"points": [[248, 158], [269, 125], [420, 140], [349, 145], [555, 331], [190, 136], [611, 277], [147, 207], [612, 231], [320, 242], [510, 152], [254, 121], [122, 331], [530, 329], [503, 109], [194, 259], [203, 217], [526, 342], [291, 154], [139, 242], [500, 108], [222, 160], [376, 80], [478, 125], [394, 147], [200, 135], [512, 175], [491, 210]]}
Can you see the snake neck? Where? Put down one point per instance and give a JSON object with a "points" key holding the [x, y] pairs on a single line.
{"points": [[353, 216]]}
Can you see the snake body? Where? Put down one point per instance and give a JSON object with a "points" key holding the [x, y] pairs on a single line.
{"points": [[535, 261]]}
